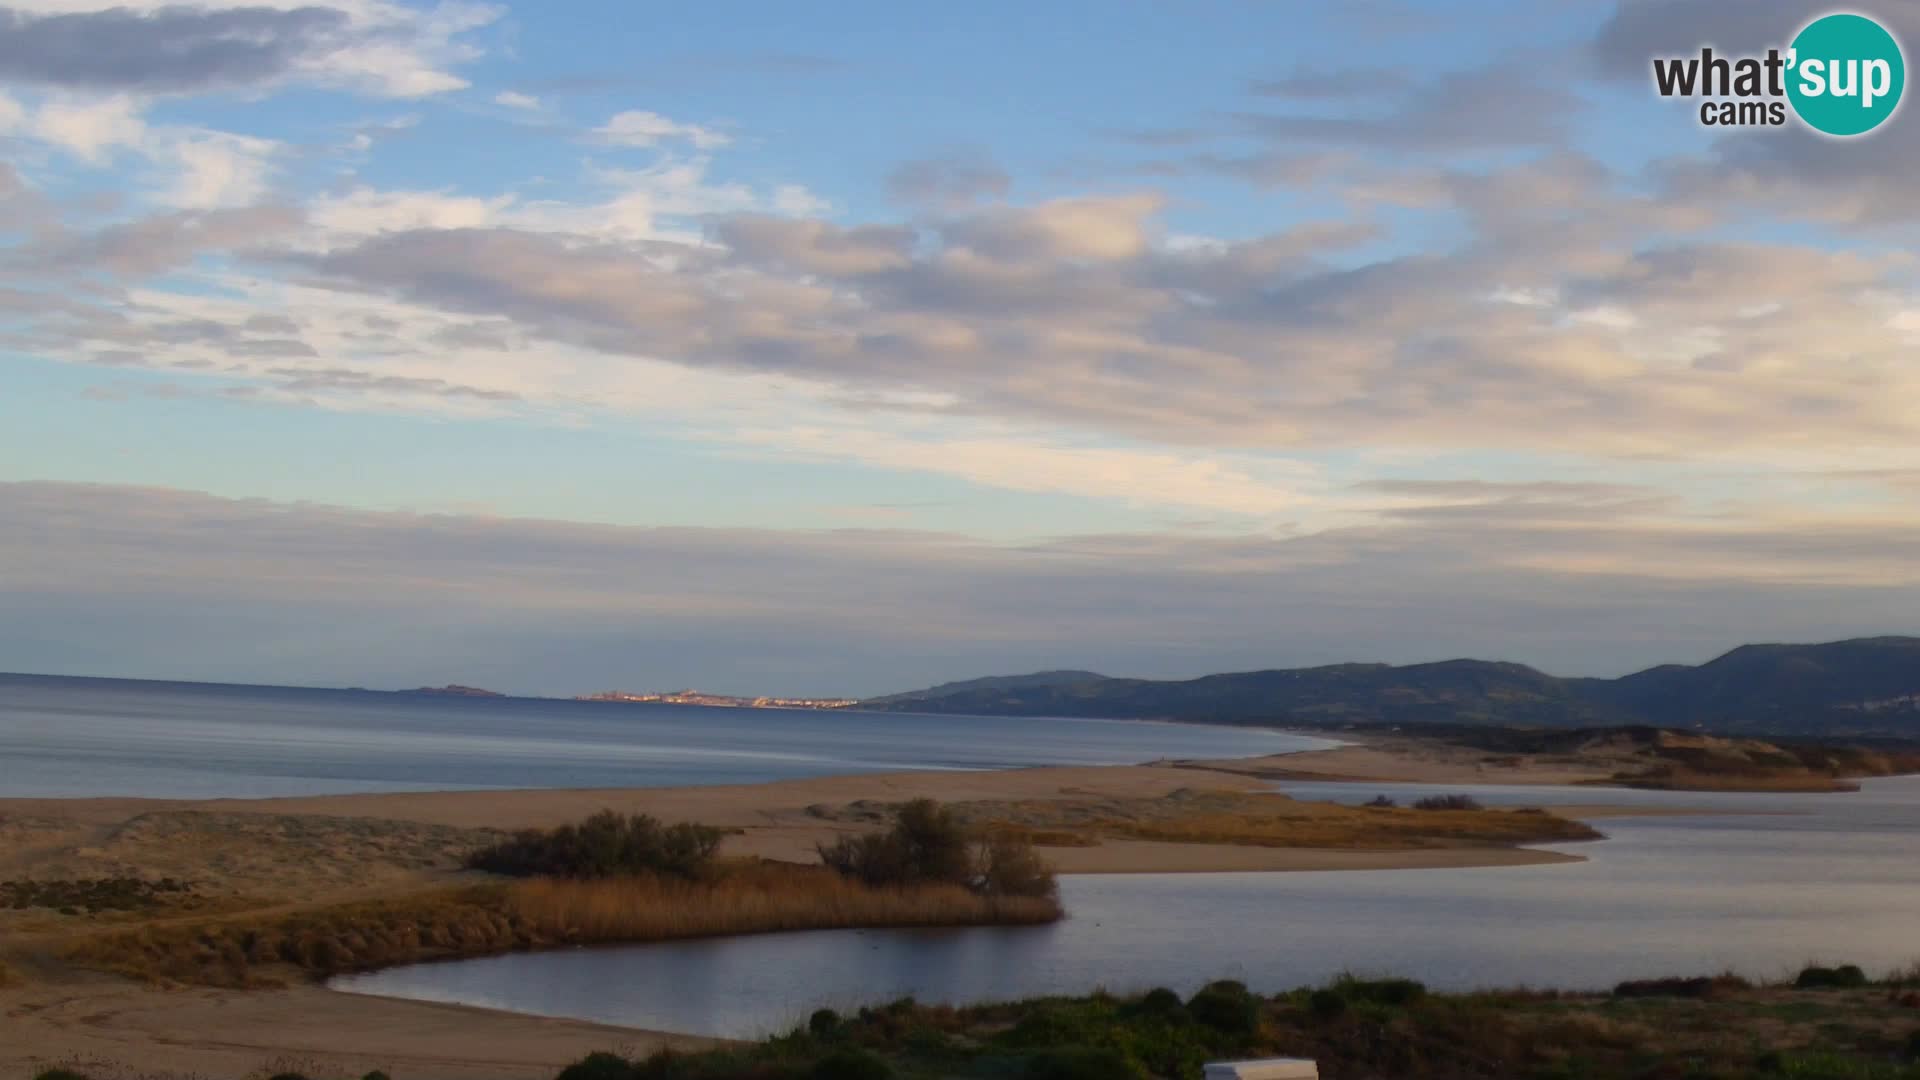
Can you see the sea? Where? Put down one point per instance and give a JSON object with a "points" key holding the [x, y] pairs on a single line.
{"points": [[63, 737]]}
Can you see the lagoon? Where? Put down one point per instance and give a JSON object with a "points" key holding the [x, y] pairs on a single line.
{"points": [[1757, 883]]}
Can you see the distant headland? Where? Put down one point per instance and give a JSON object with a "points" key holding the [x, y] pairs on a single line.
{"points": [[730, 701]]}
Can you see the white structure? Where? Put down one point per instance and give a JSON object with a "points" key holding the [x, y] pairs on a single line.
{"points": [[1268, 1069]]}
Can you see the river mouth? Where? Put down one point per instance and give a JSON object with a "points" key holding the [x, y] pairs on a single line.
{"points": [[1756, 883]]}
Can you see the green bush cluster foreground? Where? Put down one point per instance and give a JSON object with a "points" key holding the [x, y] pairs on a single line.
{"points": [[1823, 1025]]}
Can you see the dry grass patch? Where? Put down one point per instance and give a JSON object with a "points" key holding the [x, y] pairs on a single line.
{"points": [[1265, 820]]}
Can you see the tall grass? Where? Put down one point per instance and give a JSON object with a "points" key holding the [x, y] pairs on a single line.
{"points": [[756, 899], [747, 898], [1390, 829], [1685, 778]]}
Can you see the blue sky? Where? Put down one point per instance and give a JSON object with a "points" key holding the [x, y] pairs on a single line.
{"points": [[1218, 335]]}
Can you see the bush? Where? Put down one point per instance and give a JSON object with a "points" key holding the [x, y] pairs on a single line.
{"points": [[1080, 1063], [1056, 1024], [851, 1065], [1698, 987], [1844, 977], [1382, 802], [1327, 1004], [604, 845], [1160, 1001], [1010, 867], [927, 845], [599, 1066], [1226, 1007], [1393, 992], [1448, 802], [376, 1075], [60, 1074], [824, 1023]]}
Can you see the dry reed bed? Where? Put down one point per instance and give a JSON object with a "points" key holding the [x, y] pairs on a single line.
{"points": [[1264, 820], [496, 917]]}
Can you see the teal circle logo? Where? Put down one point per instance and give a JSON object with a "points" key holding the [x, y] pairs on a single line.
{"points": [[1847, 75]]}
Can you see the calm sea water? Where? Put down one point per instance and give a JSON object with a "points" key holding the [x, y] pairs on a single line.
{"points": [[1763, 884], [64, 737]]}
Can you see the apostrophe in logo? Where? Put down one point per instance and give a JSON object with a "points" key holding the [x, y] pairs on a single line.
{"points": [[1843, 75], [1847, 75]]}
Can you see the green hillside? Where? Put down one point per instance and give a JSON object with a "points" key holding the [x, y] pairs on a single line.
{"points": [[1868, 686]]}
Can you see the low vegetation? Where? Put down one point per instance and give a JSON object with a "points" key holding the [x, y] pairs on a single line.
{"points": [[1448, 802], [1712, 1028], [1814, 1027], [1256, 819], [1647, 757], [604, 845], [608, 880], [928, 845], [88, 895]]}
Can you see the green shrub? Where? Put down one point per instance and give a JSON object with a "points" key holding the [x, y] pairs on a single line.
{"points": [[851, 1065], [1080, 1063], [1056, 1025], [1391, 992], [1160, 1001], [1010, 867], [1844, 977], [600, 1066], [1226, 1007], [823, 1024], [927, 845], [1448, 802], [604, 845], [1327, 1004], [1698, 987]]}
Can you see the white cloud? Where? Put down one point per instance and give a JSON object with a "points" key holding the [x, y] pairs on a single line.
{"points": [[515, 100], [218, 169], [91, 129], [641, 128], [366, 211]]}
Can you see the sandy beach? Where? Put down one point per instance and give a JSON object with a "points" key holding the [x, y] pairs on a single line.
{"points": [[293, 852], [1396, 760], [111, 1028]]}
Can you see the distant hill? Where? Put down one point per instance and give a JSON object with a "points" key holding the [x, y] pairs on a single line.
{"points": [[1868, 686], [452, 690], [990, 684]]}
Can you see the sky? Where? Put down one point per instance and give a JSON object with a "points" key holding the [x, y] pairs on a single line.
{"points": [[848, 348]]}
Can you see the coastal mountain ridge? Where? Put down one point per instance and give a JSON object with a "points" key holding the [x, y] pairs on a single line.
{"points": [[1863, 686]]}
